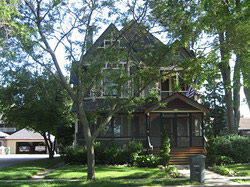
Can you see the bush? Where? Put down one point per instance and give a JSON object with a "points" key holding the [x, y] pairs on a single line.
{"points": [[224, 171], [233, 146], [132, 150], [75, 155], [173, 171], [218, 160], [165, 148], [147, 161], [112, 155]]}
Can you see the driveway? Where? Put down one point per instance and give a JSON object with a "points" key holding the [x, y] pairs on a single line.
{"points": [[7, 160]]}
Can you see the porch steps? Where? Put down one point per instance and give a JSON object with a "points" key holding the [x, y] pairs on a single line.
{"points": [[181, 155]]}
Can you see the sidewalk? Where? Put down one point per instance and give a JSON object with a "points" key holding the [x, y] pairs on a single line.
{"points": [[212, 178]]}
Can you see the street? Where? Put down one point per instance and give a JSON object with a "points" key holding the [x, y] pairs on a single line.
{"points": [[7, 160]]}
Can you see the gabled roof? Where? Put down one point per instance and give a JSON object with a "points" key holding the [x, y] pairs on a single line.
{"points": [[181, 97], [97, 43], [3, 135], [25, 134]]}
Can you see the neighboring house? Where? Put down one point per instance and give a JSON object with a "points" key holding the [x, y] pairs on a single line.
{"points": [[244, 127], [2, 136], [182, 117], [7, 129], [24, 142]]}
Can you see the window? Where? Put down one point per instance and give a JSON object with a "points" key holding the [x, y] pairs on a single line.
{"points": [[165, 85], [107, 131], [110, 87], [108, 43], [117, 127], [197, 124], [182, 84]]}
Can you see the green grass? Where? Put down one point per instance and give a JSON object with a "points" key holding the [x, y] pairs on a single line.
{"points": [[99, 183], [27, 169], [239, 169], [107, 172], [241, 180]]}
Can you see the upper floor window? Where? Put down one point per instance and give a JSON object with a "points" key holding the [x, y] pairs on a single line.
{"points": [[173, 83], [110, 86]]}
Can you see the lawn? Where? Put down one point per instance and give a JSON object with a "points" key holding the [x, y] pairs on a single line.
{"points": [[100, 183], [27, 169], [242, 180], [239, 169], [107, 172]]}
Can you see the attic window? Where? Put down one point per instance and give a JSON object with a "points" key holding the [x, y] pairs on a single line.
{"points": [[108, 43]]}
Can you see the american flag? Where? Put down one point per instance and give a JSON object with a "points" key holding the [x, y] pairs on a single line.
{"points": [[191, 91]]}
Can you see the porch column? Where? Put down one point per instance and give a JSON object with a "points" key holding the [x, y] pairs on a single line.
{"points": [[149, 145]]}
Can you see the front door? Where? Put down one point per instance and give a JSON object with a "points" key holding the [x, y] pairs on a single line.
{"points": [[182, 132], [178, 128]]}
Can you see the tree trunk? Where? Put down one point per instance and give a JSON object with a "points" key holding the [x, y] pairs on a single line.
{"points": [[226, 76], [236, 93], [49, 144], [246, 80], [89, 142], [91, 160]]}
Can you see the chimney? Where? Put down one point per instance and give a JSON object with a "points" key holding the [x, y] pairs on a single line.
{"points": [[89, 37]]}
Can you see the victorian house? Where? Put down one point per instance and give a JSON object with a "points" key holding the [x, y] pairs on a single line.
{"points": [[176, 110]]}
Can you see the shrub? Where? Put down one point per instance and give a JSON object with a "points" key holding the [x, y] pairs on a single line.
{"points": [[112, 155], [224, 171], [99, 151], [104, 154], [132, 150], [233, 146], [165, 148], [75, 155], [173, 171], [218, 160], [147, 161]]}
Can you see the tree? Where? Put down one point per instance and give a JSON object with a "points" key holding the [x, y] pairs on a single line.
{"points": [[33, 101], [218, 21], [61, 25]]}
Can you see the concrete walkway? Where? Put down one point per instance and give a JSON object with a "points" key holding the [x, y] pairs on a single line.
{"points": [[42, 174], [212, 178]]}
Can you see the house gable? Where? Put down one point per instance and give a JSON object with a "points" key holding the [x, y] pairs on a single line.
{"points": [[177, 103]]}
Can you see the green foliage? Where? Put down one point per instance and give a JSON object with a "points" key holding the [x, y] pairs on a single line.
{"points": [[64, 135], [111, 154], [132, 149], [165, 148], [223, 170], [233, 146], [75, 155], [218, 160], [150, 161], [33, 100], [173, 171]]}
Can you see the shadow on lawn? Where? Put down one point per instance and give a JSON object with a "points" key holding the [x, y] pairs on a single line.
{"points": [[101, 183]]}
